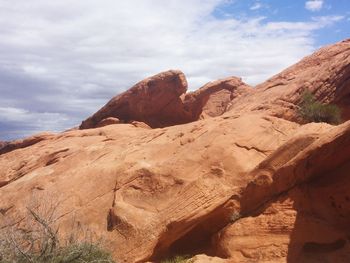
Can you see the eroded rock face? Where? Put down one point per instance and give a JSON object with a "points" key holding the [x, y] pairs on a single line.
{"points": [[309, 223], [240, 184], [298, 199]]}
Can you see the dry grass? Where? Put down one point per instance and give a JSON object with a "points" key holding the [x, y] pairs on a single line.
{"points": [[36, 239]]}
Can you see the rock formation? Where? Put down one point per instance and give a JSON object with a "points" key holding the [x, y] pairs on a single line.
{"points": [[146, 101], [241, 180], [23, 143], [326, 73], [161, 101]]}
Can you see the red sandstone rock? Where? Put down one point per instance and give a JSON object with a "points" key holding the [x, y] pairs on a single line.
{"points": [[22, 143], [145, 101], [157, 101], [213, 98], [108, 121], [243, 185], [140, 124]]}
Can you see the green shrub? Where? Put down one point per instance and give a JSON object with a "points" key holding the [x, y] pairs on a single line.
{"points": [[312, 110]]}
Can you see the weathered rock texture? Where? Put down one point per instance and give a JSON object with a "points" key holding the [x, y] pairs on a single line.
{"points": [[243, 183], [297, 205]]}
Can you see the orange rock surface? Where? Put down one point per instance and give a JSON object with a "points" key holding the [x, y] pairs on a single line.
{"points": [[226, 173]]}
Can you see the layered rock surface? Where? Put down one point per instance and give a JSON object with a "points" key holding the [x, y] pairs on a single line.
{"points": [[239, 181]]}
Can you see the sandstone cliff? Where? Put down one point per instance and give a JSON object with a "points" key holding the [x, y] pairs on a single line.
{"points": [[227, 174]]}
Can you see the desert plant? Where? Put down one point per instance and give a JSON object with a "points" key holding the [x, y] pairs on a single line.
{"points": [[312, 110], [38, 240]]}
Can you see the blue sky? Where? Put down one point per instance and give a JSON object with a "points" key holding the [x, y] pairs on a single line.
{"points": [[60, 61], [294, 11]]}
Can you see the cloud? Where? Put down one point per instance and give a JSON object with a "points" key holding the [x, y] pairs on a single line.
{"points": [[21, 122], [256, 6], [314, 5], [60, 61]]}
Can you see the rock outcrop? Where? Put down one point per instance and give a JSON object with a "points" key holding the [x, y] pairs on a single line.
{"points": [[213, 99], [298, 199], [160, 101], [22, 143], [326, 73], [146, 101], [241, 180]]}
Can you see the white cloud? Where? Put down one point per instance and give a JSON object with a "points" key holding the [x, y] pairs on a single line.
{"points": [[24, 122], [314, 5], [256, 6], [70, 57]]}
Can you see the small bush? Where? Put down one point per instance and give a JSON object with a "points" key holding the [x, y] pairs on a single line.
{"points": [[38, 240], [312, 110]]}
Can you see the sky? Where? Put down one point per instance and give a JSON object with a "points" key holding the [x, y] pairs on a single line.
{"points": [[60, 61]]}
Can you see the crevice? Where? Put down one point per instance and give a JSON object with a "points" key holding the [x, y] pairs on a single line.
{"points": [[55, 157], [3, 211], [196, 237], [314, 247], [264, 152]]}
